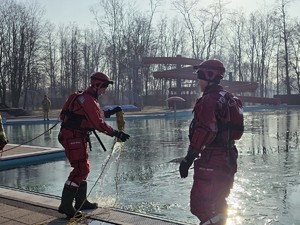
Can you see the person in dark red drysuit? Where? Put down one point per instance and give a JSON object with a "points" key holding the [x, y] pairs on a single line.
{"points": [[212, 143], [80, 115]]}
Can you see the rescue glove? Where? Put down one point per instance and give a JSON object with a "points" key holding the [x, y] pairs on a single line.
{"points": [[187, 162], [121, 135], [113, 111]]}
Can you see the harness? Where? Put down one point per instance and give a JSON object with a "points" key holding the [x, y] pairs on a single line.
{"points": [[72, 121]]}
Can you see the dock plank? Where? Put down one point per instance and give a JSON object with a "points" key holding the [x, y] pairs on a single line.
{"points": [[42, 209], [13, 149]]}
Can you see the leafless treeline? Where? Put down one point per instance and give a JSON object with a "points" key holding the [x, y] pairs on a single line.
{"points": [[36, 57]]}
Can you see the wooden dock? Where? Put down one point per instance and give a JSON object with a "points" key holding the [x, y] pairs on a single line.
{"points": [[20, 207]]}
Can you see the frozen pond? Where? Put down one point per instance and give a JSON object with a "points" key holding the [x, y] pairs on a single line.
{"points": [[139, 175]]}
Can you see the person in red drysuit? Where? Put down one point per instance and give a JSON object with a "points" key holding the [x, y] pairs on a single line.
{"points": [[215, 168], [80, 115]]}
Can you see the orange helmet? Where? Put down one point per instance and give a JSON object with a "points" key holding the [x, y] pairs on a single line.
{"points": [[100, 78], [210, 70]]}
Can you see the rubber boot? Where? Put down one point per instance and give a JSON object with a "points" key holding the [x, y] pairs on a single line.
{"points": [[66, 205], [80, 199]]}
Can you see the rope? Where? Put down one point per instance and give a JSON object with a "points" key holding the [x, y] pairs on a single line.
{"points": [[121, 127], [17, 146], [73, 220], [120, 124], [116, 177]]}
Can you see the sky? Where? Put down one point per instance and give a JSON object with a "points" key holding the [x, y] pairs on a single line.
{"points": [[78, 11]]}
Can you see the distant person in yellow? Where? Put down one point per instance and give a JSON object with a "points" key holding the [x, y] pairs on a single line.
{"points": [[46, 103], [3, 139]]}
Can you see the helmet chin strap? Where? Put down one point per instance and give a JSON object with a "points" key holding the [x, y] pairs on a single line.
{"points": [[209, 84], [97, 92]]}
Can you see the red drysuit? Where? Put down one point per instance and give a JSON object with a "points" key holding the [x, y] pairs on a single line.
{"points": [[214, 170], [80, 115]]}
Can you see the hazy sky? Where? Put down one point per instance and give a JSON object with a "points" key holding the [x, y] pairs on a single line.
{"points": [[67, 11]]}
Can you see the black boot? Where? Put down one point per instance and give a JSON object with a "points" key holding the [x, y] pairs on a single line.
{"points": [[80, 199], [66, 205]]}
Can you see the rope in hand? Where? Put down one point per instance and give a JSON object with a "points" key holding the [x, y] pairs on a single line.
{"points": [[29, 140], [121, 125]]}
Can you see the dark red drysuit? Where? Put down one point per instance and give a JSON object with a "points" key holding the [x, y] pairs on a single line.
{"points": [[214, 170], [80, 115]]}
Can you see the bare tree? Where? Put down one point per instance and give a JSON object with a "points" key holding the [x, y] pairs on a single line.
{"points": [[92, 52], [33, 51], [295, 55], [285, 37], [252, 46], [20, 44], [111, 25], [202, 24], [266, 40], [236, 40], [127, 34], [3, 58], [71, 58], [50, 58], [185, 8]]}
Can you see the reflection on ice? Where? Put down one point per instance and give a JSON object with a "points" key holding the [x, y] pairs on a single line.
{"points": [[294, 200]]}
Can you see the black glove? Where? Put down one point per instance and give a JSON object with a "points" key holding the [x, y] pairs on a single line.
{"points": [[187, 162], [121, 135], [116, 109], [113, 111]]}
